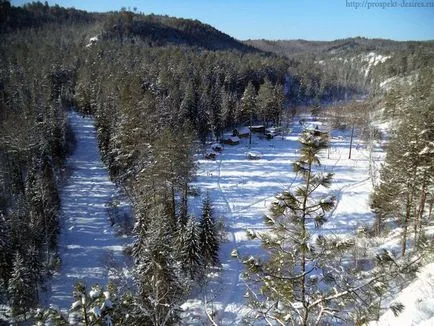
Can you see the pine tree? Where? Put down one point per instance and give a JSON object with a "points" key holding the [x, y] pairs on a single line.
{"points": [[5, 248], [160, 286], [34, 264], [190, 255], [248, 106], [285, 278], [20, 288], [93, 307], [265, 101], [278, 103], [406, 175], [208, 236]]}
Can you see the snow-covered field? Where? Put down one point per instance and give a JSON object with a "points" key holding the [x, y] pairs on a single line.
{"points": [[241, 190], [88, 243]]}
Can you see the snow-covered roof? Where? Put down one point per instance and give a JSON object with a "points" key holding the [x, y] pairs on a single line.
{"points": [[243, 130], [252, 155], [216, 146]]}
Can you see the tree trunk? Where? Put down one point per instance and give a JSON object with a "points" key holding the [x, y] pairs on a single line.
{"points": [[351, 140], [303, 252], [419, 213], [430, 206], [184, 204], [405, 224], [250, 130]]}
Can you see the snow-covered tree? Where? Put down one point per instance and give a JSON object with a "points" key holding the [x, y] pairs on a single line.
{"points": [[289, 280], [160, 286], [209, 240], [21, 291], [248, 106], [5, 249], [191, 251], [90, 307], [406, 177], [265, 101]]}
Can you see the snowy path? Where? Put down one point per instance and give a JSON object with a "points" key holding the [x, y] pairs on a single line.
{"points": [[86, 238]]}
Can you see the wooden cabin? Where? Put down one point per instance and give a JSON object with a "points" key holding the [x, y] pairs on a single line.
{"points": [[233, 140], [242, 132], [258, 128]]}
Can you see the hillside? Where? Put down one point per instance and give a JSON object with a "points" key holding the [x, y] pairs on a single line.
{"points": [[164, 30], [154, 30], [360, 63], [343, 47]]}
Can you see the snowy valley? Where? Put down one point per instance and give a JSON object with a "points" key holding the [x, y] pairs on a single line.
{"points": [[157, 171]]}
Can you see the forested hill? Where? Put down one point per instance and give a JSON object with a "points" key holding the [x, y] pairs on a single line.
{"points": [[154, 30], [162, 30], [366, 65], [348, 46], [36, 15]]}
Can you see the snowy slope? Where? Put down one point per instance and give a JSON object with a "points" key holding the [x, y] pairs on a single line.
{"points": [[418, 301], [241, 190], [87, 238]]}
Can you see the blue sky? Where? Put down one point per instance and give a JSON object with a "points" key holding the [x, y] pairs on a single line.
{"points": [[286, 19]]}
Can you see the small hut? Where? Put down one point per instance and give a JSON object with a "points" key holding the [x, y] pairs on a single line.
{"points": [[258, 128], [210, 155], [242, 132], [217, 147], [233, 140], [252, 155]]}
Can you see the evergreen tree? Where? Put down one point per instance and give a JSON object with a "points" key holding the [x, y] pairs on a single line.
{"points": [[20, 288], [191, 252], [279, 101], [265, 101], [93, 307], [160, 287], [248, 106], [406, 175], [208, 236], [285, 276], [5, 249]]}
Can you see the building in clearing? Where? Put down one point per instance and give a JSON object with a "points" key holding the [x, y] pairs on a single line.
{"points": [[258, 128], [232, 140], [242, 132]]}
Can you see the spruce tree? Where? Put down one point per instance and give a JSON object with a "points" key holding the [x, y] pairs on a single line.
{"points": [[20, 288], [5, 248], [209, 241], [265, 101], [248, 106], [190, 255], [160, 286]]}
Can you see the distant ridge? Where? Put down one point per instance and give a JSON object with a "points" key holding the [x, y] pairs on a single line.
{"points": [[291, 48], [164, 30]]}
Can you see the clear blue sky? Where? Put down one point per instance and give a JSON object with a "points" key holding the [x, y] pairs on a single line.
{"points": [[286, 19]]}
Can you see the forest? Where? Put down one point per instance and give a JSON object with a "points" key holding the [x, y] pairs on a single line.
{"points": [[160, 90]]}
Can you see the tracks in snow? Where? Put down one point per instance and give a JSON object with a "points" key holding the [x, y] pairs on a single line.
{"points": [[87, 240]]}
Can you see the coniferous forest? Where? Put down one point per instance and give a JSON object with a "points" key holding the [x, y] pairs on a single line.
{"points": [[161, 90]]}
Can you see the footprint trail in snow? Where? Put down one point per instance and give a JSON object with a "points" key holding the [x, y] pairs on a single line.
{"points": [[87, 238]]}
